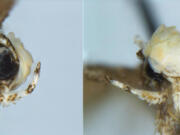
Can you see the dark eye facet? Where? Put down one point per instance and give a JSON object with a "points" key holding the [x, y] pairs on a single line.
{"points": [[8, 66], [153, 75]]}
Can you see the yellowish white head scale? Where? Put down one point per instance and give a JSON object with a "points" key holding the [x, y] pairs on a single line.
{"points": [[163, 51], [15, 66]]}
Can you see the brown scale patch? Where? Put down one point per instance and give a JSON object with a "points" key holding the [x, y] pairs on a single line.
{"points": [[12, 97], [37, 70], [140, 55], [127, 89], [145, 95], [1, 98], [30, 88]]}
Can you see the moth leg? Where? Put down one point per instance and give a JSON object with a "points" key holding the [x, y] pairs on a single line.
{"points": [[8, 97], [165, 123], [149, 96]]}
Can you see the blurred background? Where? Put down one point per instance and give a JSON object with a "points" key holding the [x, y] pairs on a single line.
{"points": [[109, 30], [49, 29]]}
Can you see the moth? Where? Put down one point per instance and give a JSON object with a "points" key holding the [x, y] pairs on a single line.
{"points": [[158, 76]]}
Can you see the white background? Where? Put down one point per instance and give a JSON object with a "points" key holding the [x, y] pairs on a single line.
{"points": [[110, 28], [52, 31]]}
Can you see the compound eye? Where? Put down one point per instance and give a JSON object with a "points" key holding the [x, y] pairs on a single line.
{"points": [[153, 75], [8, 66]]}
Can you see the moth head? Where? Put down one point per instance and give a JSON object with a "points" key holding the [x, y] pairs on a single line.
{"points": [[162, 52], [15, 61]]}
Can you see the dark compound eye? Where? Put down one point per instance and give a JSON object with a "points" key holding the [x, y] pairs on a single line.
{"points": [[8, 66], [153, 75]]}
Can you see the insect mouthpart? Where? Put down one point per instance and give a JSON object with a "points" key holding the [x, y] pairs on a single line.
{"points": [[8, 65], [153, 75]]}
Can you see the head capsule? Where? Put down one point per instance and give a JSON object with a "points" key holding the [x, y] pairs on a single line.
{"points": [[162, 52]]}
